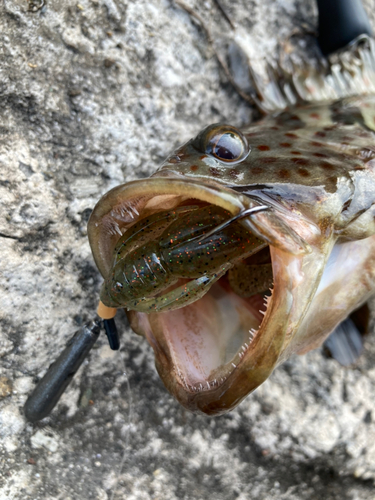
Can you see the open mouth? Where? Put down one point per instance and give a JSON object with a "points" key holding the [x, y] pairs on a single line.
{"points": [[219, 340], [208, 338]]}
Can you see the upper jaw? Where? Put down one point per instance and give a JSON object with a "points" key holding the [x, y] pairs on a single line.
{"points": [[291, 254]]}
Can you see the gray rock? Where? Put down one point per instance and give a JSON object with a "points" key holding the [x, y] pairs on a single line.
{"points": [[94, 94]]}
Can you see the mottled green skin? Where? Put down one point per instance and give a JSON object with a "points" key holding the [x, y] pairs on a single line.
{"points": [[327, 148]]}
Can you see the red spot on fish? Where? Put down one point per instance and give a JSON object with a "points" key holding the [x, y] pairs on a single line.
{"points": [[274, 128], [347, 138], [296, 153], [315, 115], [332, 180], [294, 117], [300, 161], [257, 170], [327, 166], [320, 155], [193, 168], [316, 144], [263, 147], [285, 144], [303, 172], [215, 171], [283, 174], [203, 157], [364, 134], [320, 134], [268, 159], [290, 134], [234, 173]]}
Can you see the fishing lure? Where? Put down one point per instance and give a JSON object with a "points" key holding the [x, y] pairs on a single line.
{"points": [[225, 258]]}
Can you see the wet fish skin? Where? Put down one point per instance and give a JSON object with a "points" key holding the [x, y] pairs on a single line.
{"points": [[314, 167], [322, 153]]}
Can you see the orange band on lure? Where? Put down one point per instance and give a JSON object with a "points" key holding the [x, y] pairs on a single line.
{"points": [[105, 312]]}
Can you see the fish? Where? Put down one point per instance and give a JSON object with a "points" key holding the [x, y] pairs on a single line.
{"points": [[248, 246]]}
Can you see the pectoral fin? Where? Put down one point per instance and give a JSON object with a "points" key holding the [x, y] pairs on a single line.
{"points": [[345, 344]]}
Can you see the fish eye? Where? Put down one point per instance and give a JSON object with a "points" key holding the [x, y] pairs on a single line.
{"points": [[223, 142]]}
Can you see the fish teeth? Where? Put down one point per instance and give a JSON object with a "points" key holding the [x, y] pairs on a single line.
{"points": [[252, 334], [267, 299], [210, 384], [126, 211]]}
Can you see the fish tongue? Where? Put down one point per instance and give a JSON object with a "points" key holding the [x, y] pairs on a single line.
{"points": [[204, 336], [192, 335]]}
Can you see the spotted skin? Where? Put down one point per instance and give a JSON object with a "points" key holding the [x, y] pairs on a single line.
{"points": [[317, 147], [310, 149]]}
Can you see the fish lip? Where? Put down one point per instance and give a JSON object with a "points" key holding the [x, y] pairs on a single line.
{"points": [[259, 361]]}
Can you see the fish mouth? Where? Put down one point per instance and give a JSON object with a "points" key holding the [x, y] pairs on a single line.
{"points": [[213, 352]]}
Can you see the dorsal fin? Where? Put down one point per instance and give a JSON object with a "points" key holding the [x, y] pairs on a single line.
{"points": [[291, 80], [297, 72]]}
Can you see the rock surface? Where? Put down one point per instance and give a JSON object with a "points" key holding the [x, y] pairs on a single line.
{"points": [[94, 94]]}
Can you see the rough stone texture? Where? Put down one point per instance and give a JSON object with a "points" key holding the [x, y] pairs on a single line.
{"points": [[94, 94]]}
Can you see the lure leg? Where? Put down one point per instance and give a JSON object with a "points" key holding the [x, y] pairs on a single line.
{"points": [[180, 296], [340, 22]]}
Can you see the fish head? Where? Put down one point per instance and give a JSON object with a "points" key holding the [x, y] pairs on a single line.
{"points": [[213, 352]]}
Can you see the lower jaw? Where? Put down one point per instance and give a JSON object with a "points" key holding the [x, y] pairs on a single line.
{"points": [[203, 351]]}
